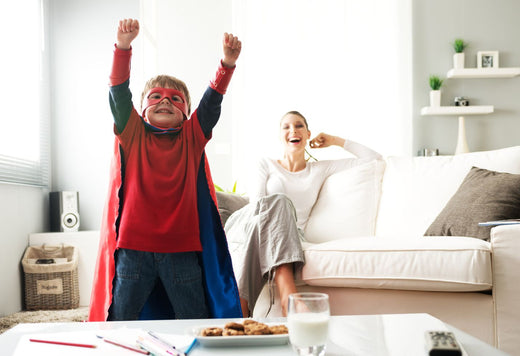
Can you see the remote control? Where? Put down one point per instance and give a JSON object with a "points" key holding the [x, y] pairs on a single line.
{"points": [[442, 343]]}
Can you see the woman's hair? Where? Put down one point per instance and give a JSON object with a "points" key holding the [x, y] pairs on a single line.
{"points": [[297, 113], [166, 81]]}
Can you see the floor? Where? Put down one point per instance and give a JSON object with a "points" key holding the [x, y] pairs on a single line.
{"points": [[43, 316]]}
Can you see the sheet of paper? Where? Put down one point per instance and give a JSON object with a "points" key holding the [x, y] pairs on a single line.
{"points": [[25, 347], [124, 335]]}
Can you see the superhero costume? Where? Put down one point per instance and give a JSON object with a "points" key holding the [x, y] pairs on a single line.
{"points": [[197, 214]]}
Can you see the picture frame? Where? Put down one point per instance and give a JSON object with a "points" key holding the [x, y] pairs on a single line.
{"points": [[487, 59]]}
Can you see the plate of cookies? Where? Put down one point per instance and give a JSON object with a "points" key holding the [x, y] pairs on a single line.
{"points": [[247, 332]]}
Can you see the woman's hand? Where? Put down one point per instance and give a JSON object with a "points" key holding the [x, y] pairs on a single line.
{"points": [[325, 140], [127, 31]]}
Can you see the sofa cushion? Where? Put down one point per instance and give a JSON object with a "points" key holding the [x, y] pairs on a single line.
{"points": [[416, 189], [228, 203], [484, 195], [429, 263], [347, 204]]}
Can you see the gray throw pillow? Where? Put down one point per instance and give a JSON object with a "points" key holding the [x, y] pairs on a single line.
{"points": [[483, 196], [228, 203]]}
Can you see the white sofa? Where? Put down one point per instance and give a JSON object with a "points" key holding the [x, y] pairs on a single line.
{"points": [[366, 248]]}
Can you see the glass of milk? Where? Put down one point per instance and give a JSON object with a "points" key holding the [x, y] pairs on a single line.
{"points": [[308, 322]]}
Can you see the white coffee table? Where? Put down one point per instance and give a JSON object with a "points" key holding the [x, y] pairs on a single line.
{"points": [[374, 335]]}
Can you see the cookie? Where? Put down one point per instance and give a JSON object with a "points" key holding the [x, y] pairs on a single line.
{"points": [[247, 327], [249, 322], [211, 332], [278, 329], [257, 329], [234, 326], [232, 332]]}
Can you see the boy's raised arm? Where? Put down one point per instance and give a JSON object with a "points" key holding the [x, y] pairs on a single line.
{"points": [[209, 107], [127, 31], [120, 96], [232, 47]]}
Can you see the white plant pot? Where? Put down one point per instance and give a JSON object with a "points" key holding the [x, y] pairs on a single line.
{"points": [[435, 98], [458, 61]]}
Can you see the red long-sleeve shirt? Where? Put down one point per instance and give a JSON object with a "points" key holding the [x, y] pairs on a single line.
{"points": [[158, 210]]}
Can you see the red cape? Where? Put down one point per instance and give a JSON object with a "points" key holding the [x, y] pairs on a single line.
{"points": [[220, 284]]}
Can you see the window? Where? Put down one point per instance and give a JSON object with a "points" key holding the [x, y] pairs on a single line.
{"points": [[24, 135]]}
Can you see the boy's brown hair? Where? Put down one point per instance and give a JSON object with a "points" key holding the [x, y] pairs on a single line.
{"points": [[167, 81]]}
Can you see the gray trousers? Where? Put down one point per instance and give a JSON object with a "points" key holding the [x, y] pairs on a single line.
{"points": [[262, 236]]}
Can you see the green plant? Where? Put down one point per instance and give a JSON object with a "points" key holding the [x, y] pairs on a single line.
{"points": [[459, 45], [219, 189], [435, 82]]}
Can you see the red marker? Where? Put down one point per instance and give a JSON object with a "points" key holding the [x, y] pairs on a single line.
{"points": [[64, 343]]}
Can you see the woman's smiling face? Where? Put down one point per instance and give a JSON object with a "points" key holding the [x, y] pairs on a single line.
{"points": [[294, 132]]}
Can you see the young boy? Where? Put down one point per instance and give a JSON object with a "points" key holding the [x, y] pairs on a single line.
{"points": [[163, 251]]}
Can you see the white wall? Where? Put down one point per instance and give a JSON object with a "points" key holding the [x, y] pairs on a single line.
{"points": [[82, 35], [22, 211], [486, 25], [319, 58], [189, 47], [184, 39]]}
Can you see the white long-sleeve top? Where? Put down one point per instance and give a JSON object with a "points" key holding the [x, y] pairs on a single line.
{"points": [[303, 187]]}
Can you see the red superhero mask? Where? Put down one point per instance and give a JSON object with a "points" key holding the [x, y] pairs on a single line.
{"points": [[156, 95]]}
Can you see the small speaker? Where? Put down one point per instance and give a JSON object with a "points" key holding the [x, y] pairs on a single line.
{"points": [[64, 211]]}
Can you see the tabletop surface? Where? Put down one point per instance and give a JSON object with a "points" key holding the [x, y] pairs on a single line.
{"points": [[388, 334]]}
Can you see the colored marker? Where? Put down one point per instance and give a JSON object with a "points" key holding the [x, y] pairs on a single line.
{"points": [[128, 347], [63, 343], [192, 345]]}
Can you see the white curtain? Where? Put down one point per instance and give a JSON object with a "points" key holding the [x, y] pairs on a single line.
{"points": [[344, 64]]}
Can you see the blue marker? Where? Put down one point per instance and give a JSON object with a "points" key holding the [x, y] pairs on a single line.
{"points": [[192, 345]]}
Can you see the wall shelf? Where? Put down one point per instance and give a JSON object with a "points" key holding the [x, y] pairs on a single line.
{"points": [[460, 111], [484, 73], [457, 110]]}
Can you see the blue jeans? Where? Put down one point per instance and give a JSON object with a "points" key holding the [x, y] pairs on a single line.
{"points": [[137, 272]]}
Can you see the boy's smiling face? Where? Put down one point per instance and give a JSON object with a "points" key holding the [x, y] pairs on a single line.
{"points": [[165, 108]]}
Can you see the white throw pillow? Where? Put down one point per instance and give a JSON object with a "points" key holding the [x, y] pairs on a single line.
{"points": [[347, 204], [416, 189]]}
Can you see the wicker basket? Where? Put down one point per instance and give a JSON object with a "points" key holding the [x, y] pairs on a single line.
{"points": [[51, 277]]}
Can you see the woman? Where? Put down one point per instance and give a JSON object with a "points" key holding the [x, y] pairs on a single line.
{"points": [[265, 236]]}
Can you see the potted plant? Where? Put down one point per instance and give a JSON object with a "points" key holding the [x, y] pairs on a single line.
{"points": [[435, 93], [458, 58], [220, 189]]}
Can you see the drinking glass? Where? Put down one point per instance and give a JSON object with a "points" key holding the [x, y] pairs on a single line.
{"points": [[308, 322]]}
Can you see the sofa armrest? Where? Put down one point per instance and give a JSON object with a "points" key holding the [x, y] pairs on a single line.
{"points": [[505, 245]]}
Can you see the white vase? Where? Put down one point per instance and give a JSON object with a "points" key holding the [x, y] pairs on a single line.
{"points": [[458, 61], [435, 98]]}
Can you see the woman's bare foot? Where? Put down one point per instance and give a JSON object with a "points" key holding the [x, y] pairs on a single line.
{"points": [[245, 308], [284, 280]]}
